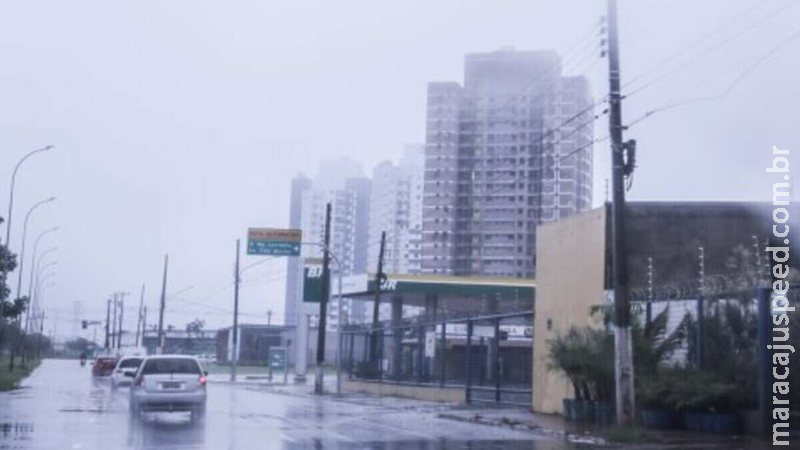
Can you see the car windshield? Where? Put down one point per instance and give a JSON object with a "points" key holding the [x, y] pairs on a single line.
{"points": [[132, 362], [175, 365]]}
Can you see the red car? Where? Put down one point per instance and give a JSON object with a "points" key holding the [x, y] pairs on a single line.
{"points": [[104, 366]]}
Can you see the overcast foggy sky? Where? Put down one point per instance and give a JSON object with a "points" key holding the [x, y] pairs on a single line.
{"points": [[178, 124]]}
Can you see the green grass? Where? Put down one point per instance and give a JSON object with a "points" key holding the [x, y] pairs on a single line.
{"points": [[10, 380], [631, 435]]}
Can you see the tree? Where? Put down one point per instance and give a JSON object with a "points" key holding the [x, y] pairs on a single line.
{"points": [[8, 310], [194, 329], [79, 345]]}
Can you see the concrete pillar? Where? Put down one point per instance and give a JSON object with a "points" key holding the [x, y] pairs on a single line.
{"points": [[431, 307], [301, 345], [397, 336]]}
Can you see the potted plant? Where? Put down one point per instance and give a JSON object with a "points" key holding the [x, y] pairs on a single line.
{"points": [[707, 402], [584, 356], [655, 397]]}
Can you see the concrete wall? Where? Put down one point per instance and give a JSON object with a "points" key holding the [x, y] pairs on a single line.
{"points": [[570, 279], [432, 393]]}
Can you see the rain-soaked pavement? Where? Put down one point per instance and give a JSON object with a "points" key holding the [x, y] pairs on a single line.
{"points": [[61, 407]]}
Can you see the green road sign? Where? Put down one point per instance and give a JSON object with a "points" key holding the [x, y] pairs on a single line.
{"points": [[277, 358], [277, 361], [274, 241], [312, 284]]}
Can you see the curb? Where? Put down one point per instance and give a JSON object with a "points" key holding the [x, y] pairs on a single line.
{"points": [[515, 424]]}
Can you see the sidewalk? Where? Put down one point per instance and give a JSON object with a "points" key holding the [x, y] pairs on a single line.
{"points": [[579, 433], [553, 426]]}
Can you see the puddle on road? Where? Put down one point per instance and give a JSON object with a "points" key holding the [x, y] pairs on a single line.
{"points": [[16, 431]]}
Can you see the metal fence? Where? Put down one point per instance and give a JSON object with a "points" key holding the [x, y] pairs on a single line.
{"points": [[488, 356]]}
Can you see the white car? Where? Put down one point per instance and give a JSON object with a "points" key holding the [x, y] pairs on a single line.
{"points": [[125, 366], [169, 383]]}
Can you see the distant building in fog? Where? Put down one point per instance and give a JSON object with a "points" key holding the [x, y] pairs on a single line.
{"points": [[396, 208], [300, 183], [343, 184], [493, 168]]}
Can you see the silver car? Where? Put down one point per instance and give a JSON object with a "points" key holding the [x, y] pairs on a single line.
{"points": [[125, 366], [169, 383]]}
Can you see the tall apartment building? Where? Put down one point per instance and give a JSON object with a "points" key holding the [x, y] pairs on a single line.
{"points": [[342, 184], [509, 149], [396, 208], [294, 266]]}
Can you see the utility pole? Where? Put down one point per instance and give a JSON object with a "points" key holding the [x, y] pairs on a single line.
{"points": [[108, 319], [160, 344], [115, 301], [376, 310], [39, 338], [139, 320], [323, 303], [235, 350], [269, 317], [649, 313], [144, 325], [623, 352], [121, 310]]}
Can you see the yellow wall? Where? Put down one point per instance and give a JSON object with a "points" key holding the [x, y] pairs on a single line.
{"points": [[570, 260]]}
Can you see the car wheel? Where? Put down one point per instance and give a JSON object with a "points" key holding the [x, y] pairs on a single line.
{"points": [[133, 408], [199, 413]]}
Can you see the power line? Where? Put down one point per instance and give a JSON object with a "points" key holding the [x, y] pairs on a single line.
{"points": [[694, 43], [696, 57], [728, 90]]}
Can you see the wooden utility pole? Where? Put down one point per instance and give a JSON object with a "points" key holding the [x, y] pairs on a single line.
{"points": [[121, 309], [139, 320], [234, 356], [115, 301], [160, 344], [325, 293], [108, 320], [144, 325], [623, 351]]}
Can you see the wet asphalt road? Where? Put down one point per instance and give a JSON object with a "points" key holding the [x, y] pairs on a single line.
{"points": [[61, 407]]}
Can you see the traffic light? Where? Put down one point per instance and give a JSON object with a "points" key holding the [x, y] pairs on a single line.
{"points": [[84, 324]]}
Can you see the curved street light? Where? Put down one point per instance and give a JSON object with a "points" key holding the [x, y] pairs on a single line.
{"points": [[44, 288], [24, 234], [38, 272], [34, 262], [41, 258], [46, 266], [37, 291], [40, 316], [11, 193], [46, 277]]}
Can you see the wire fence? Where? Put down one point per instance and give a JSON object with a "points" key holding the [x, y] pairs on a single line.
{"points": [[490, 357]]}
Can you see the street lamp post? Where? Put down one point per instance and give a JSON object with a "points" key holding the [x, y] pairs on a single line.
{"points": [[300, 351], [33, 294], [22, 247], [11, 191], [40, 293], [34, 264], [39, 267]]}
